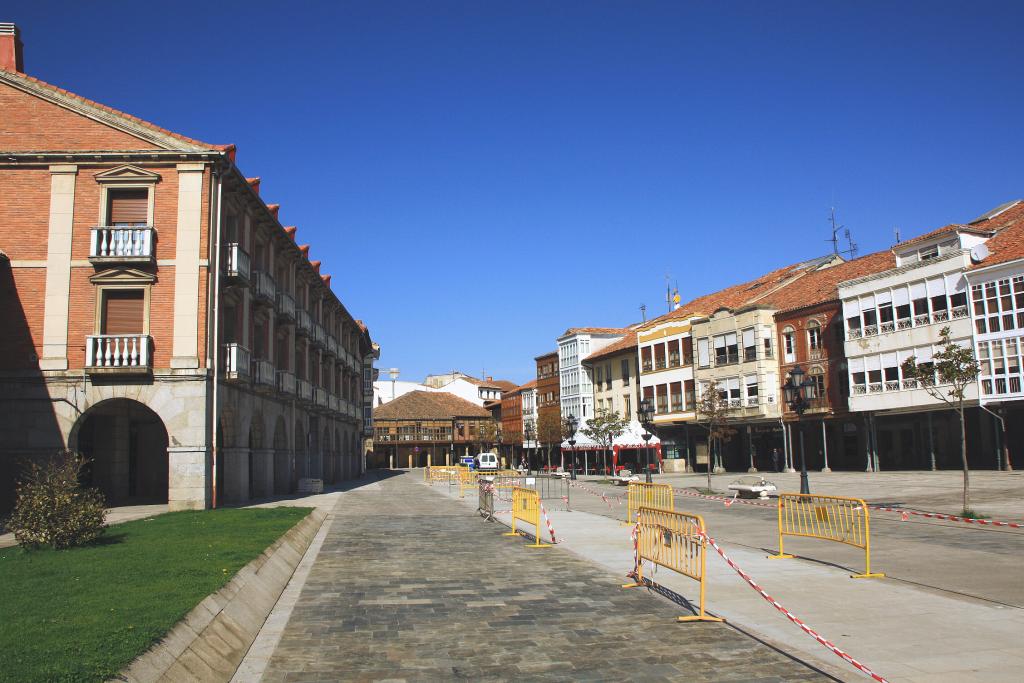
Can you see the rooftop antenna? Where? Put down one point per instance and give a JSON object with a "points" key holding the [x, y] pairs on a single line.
{"points": [[852, 248], [668, 292], [643, 311], [896, 229], [835, 232]]}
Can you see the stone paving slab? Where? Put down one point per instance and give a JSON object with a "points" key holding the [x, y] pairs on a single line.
{"points": [[407, 586]]}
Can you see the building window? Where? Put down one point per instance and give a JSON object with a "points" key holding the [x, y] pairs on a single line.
{"points": [[608, 376], [703, 355], [625, 371], [817, 375], [687, 350], [690, 398], [676, 392], [626, 407], [659, 356], [662, 404], [127, 207], [673, 353], [749, 345], [750, 387], [789, 344], [123, 311], [645, 359], [814, 334], [726, 349]]}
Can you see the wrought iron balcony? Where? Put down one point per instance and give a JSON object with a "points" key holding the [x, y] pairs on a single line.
{"points": [[237, 362], [320, 397], [263, 374], [264, 288], [118, 354], [319, 334], [117, 244], [237, 265]]}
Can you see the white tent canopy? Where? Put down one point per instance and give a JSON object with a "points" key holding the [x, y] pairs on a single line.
{"points": [[631, 438]]}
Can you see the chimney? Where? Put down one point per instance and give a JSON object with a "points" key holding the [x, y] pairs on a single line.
{"points": [[11, 49]]}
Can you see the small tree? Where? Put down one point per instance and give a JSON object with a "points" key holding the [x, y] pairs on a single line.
{"points": [[713, 414], [952, 370], [488, 433], [605, 427], [549, 431], [51, 507]]}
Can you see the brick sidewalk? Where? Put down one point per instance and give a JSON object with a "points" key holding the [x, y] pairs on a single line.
{"points": [[408, 586]]}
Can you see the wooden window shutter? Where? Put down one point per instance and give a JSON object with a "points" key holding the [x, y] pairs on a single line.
{"points": [[129, 207], [123, 311]]}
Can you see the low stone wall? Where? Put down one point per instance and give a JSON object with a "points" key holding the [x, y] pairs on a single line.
{"points": [[210, 642]]}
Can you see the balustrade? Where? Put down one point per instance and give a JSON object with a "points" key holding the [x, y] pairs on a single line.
{"points": [[121, 243], [121, 351]]}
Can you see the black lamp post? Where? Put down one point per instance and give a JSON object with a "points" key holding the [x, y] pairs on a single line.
{"points": [[571, 423], [646, 414], [799, 394], [528, 436]]}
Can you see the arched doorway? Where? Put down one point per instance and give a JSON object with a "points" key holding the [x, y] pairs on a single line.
{"points": [[300, 470], [126, 446]]}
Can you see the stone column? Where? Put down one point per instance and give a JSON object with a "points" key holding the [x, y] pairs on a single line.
{"points": [[236, 474], [189, 480], [263, 472], [185, 345]]}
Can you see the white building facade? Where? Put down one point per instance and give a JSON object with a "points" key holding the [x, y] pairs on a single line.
{"points": [[575, 385]]}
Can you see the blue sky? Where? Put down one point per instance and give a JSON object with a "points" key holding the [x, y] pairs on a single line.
{"points": [[479, 176]]}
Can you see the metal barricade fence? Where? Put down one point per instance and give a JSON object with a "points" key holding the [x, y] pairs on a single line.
{"points": [[548, 486], [829, 518], [640, 494], [526, 508], [676, 541], [485, 498]]}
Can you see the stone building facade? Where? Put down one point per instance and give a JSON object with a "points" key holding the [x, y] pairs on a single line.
{"points": [[160, 319]]}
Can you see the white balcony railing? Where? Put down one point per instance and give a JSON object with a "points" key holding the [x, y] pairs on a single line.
{"points": [[320, 396], [960, 312], [237, 361], [319, 335], [303, 322], [285, 305], [263, 373], [854, 333], [236, 262], [123, 351], [304, 390], [286, 382], [859, 389], [121, 243], [940, 316], [264, 286]]}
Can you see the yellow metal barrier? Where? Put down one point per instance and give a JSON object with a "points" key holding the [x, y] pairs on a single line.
{"points": [[642, 495], [440, 473], [671, 539], [830, 518], [526, 508]]}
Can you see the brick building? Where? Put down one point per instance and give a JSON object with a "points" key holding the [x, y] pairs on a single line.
{"points": [[549, 404], [160, 318]]}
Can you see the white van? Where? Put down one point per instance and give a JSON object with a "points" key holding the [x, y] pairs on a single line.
{"points": [[488, 461]]}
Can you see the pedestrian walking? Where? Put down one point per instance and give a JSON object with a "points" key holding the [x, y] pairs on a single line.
{"points": [[775, 459]]}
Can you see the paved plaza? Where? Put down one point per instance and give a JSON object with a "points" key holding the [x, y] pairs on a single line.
{"points": [[409, 585]]}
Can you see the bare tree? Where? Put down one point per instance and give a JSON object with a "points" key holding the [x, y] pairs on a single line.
{"points": [[946, 377], [605, 427], [713, 414], [549, 431]]}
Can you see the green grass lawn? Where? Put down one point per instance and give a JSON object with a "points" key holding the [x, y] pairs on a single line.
{"points": [[83, 614]]}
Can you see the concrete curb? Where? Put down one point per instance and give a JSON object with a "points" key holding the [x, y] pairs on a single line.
{"points": [[210, 642]]}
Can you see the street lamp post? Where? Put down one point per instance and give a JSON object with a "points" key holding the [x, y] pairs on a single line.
{"points": [[799, 394], [571, 423], [646, 421]]}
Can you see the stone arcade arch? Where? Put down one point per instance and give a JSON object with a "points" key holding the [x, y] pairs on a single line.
{"points": [[326, 457], [126, 444], [301, 469]]}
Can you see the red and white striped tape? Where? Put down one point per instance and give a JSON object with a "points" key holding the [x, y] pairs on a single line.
{"points": [[547, 521], [792, 617], [952, 518]]}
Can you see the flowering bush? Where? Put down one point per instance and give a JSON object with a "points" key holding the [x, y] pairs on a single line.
{"points": [[52, 508]]}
